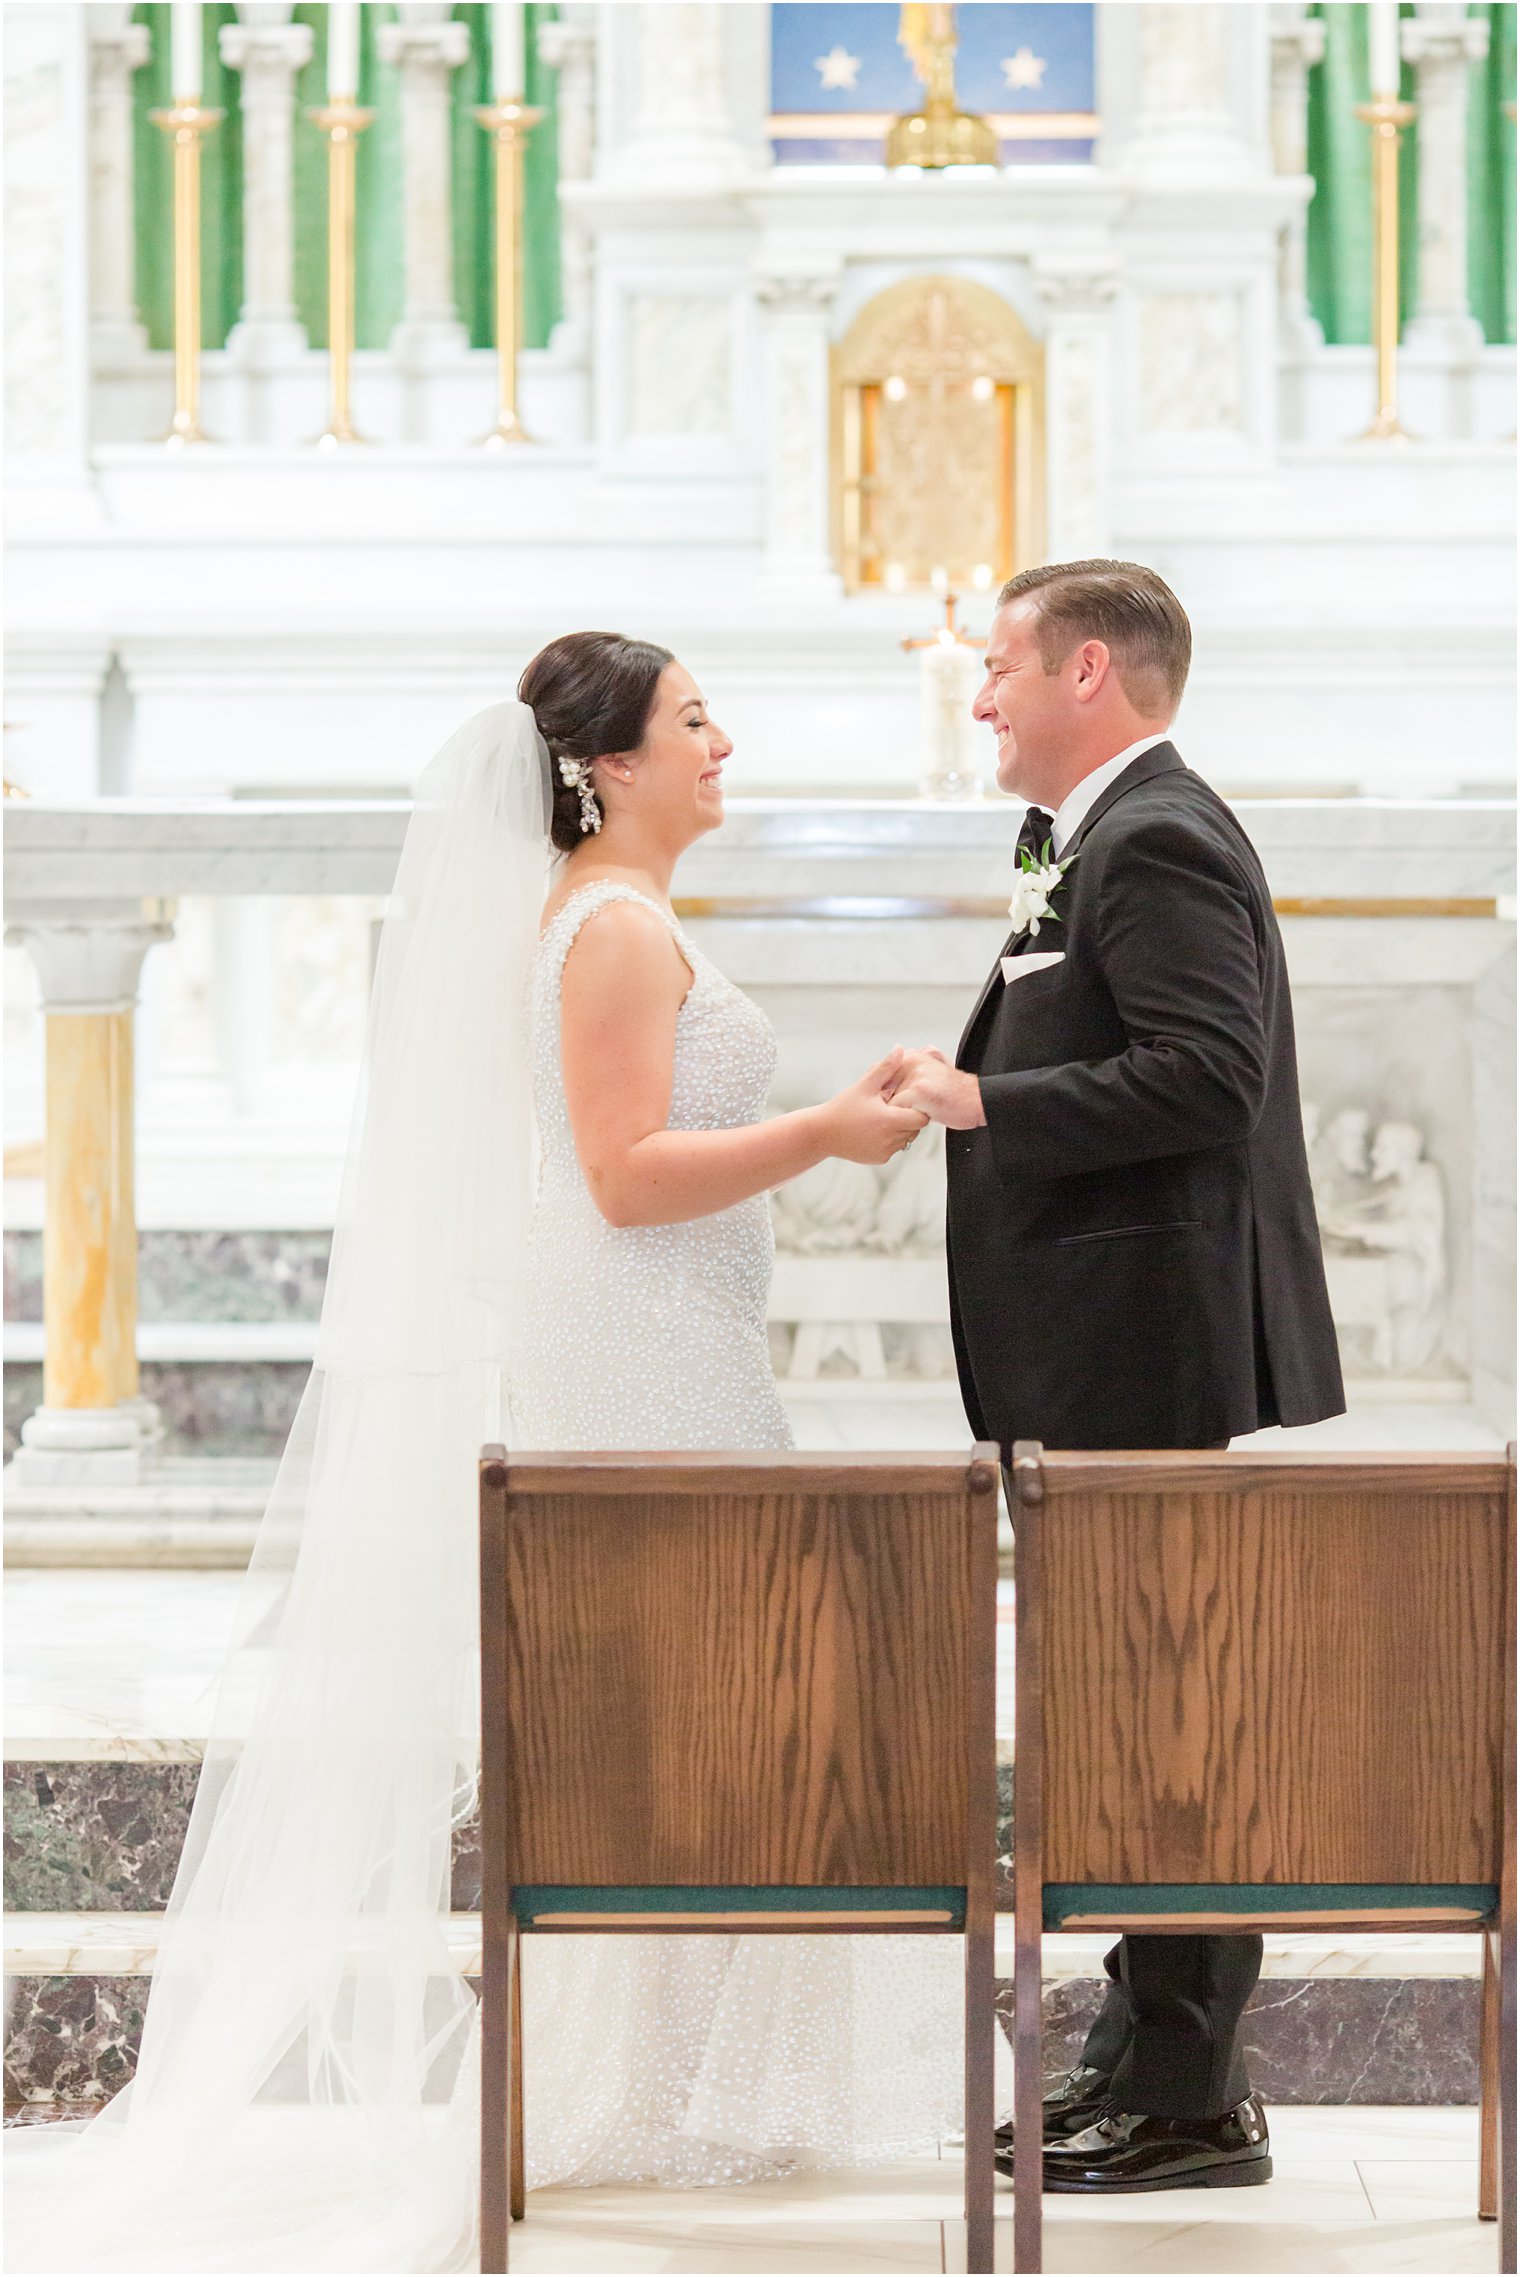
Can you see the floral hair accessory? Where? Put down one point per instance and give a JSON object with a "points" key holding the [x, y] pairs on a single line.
{"points": [[575, 774]]}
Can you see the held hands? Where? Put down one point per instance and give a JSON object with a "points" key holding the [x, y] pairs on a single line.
{"points": [[864, 1123], [926, 1082]]}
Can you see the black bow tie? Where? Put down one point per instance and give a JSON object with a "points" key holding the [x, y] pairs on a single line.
{"points": [[1035, 836]]}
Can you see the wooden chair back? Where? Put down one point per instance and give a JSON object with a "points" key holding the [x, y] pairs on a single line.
{"points": [[1270, 1669], [720, 1694], [727, 1673], [1283, 1689]]}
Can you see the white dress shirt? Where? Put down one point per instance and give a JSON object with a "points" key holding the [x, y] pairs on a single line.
{"points": [[1079, 803]]}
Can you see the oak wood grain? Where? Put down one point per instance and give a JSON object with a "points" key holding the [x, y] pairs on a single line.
{"points": [[761, 1685], [1291, 1675]]}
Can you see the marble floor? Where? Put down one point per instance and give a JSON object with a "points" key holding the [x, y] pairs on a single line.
{"points": [[1363, 2189], [1390, 2190]]}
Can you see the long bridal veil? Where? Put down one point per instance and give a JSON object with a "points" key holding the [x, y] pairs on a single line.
{"points": [[307, 2091]]}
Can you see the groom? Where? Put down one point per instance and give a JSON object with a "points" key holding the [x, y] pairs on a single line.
{"points": [[1134, 1259]]}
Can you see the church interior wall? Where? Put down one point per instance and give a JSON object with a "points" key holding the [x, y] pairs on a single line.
{"points": [[259, 618]]}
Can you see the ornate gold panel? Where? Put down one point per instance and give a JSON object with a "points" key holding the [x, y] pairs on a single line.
{"points": [[939, 395]]}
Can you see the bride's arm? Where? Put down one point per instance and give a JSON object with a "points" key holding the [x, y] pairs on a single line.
{"points": [[623, 987]]}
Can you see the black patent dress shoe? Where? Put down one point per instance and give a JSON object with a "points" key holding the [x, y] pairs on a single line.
{"points": [[1124, 2150], [1081, 2097]]}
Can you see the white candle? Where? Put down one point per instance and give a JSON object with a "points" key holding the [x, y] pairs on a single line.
{"points": [[185, 51], [342, 50], [508, 74], [1383, 46]]}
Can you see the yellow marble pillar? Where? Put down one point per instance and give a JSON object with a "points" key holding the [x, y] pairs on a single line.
{"points": [[89, 1242], [92, 1423]]}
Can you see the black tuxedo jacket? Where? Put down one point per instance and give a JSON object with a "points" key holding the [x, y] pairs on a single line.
{"points": [[1134, 1257]]}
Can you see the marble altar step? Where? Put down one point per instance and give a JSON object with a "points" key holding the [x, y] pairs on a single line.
{"points": [[199, 1512], [1364, 2027], [202, 1512]]}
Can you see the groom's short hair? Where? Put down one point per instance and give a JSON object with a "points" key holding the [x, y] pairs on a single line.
{"points": [[1128, 607]]}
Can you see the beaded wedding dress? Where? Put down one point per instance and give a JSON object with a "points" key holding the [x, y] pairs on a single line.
{"points": [[689, 2060], [307, 2093]]}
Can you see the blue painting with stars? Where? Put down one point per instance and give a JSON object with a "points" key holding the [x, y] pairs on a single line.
{"points": [[839, 77]]}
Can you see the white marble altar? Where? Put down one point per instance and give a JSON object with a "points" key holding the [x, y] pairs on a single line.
{"points": [[856, 926]]}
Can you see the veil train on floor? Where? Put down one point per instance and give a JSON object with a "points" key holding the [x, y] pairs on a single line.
{"points": [[307, 2091]]}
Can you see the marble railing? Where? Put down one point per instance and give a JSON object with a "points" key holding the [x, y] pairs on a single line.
{"points": [[855, 925]]}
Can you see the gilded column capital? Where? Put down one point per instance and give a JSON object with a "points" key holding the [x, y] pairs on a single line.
{"points": [[88, 955]]}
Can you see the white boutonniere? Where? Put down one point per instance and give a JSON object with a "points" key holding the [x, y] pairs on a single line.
{"points": [[1035, 880]]}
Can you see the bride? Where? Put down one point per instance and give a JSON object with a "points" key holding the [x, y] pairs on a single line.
{"points": [[693, 2059], [552, 1228]]}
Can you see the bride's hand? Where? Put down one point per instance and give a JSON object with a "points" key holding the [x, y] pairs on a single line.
{"points": [[862, 1124]]}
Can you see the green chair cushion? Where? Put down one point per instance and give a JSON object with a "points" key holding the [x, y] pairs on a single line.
{"points": [[1064, 1899], [532, 1901]]}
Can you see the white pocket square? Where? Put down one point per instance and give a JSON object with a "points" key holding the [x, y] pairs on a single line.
{"points": [[1041, 960]]}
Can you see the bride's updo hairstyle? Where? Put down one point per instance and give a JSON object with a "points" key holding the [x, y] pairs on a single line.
{"points": [[592, 694]]}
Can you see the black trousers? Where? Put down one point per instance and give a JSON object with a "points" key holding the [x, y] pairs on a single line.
{"points": [[1168, 2034]]}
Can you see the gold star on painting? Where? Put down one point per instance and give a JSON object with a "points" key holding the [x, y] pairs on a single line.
{"points": [[1023, 70], [838, 69]]}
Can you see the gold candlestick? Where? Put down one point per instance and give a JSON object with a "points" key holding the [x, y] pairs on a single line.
{"points": [[342, 122], [187, 125], [1387, 117], [508, 124]]}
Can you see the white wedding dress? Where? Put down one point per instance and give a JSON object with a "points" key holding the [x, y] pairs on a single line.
{"points": [[689, 2060], [307, 2093]]}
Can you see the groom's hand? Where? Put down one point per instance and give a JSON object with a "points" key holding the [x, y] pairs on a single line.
{"points": [[927, 1081]]}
